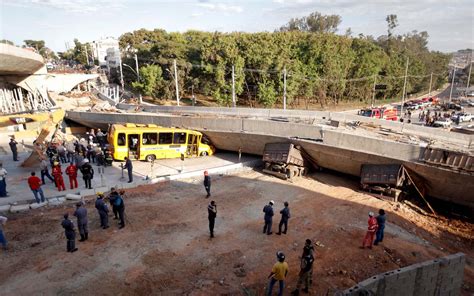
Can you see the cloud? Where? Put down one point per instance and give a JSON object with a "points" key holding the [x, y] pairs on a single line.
{"points": [[197, 14], [220, 7], [76, 6]]}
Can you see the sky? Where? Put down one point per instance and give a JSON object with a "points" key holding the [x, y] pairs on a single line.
{"points": [[450, 24]]}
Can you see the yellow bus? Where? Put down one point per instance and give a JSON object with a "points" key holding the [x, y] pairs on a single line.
{"points": [[150, 142]]}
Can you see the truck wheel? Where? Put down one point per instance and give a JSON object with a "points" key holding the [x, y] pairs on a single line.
{"points": [[204, 153], [150, 157]]}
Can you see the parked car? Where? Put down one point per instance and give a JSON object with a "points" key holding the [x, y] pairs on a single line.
{"points": [[443, 122], [464, 117]]}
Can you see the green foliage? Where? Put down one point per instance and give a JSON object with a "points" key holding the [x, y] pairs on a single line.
{"points": [[150, 79], [5, 41], [315, 22], [321, 66]]}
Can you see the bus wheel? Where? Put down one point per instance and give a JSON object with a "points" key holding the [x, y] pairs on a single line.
{"points": [[150, 158], [204, 153]]}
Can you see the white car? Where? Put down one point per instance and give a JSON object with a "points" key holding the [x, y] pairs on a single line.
{"points": [[465, 117], [443, 122]]}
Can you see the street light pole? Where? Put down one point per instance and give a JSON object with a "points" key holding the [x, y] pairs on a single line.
{"points": [[136, 65], [404, 87], [469, 76], [121, 72], [431, 81], [452, 83], [284, 88], [373, 94], [233, 87], [176, 81]]}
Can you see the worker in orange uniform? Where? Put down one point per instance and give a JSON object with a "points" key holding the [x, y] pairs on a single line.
{"points": [[58, 176], [71, 171], [372, 228]]}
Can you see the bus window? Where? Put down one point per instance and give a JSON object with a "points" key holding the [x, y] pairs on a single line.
{"points": [[149, 138], [179, 138], [121, 139], [165, 138]]}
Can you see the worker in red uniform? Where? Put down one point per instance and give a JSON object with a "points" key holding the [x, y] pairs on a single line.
{"points": [[58, 176], [372, 228], [71, 171]]}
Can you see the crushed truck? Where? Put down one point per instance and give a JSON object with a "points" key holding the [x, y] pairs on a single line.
{"points": [[284, 160]]}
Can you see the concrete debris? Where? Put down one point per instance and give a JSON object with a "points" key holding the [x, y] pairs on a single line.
{"points": [[73, 196], [37, 205], [4, 208], [19, 208]]}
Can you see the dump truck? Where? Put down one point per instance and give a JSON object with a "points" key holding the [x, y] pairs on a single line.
{"points": [[386, 179], [284, 160]]}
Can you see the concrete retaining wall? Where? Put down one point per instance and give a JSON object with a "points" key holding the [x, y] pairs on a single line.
{"points": [[441, 276]]}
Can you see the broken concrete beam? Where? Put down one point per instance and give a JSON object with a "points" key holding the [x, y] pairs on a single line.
{"points": [[5, 208], [56, 201], [73, 196], [37, 205], [19, 208]]}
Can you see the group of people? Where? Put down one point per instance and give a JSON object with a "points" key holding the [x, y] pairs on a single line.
{"points": [[374, 235], [116, 200]]}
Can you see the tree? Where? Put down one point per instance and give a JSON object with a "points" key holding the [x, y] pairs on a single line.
{"points": [[315, 22], [392, 23], [150, 79], [5, 41], [36, 44]]}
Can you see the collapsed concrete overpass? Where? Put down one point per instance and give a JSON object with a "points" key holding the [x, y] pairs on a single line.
{"points": [[340, 149]]}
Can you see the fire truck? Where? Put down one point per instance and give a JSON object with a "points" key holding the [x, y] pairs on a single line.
{"points": [[380, 112]]}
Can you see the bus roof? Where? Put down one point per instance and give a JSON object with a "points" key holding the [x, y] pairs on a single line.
{"points": [[132, 127]]}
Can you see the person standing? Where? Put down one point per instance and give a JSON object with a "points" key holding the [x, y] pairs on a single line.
{"points": [[45, 171], [211, 215], [3, 181], [81, 215], [278, 274], [129, 167], [71, 171], [70, 233], [381, 218], [268, 210], [112, 197], [87, 173], [13, 148], [103, 210], [285, 215], [3, 240], [305, 274], [62, 153], [207, 183], [58, 176], [120, 206], [372, 228], [35, 185]]}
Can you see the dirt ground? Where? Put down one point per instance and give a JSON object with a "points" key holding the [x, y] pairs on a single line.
{"points": [[165, 248]]}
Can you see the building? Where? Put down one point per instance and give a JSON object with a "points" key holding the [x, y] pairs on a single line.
{"points": [[112, 58], [100, 48]]}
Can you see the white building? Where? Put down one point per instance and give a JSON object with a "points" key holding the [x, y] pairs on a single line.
{"points": [[112, 58], [101, 46]]}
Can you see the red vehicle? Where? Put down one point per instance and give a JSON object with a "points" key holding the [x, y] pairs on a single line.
{"points": [[380, 112]]}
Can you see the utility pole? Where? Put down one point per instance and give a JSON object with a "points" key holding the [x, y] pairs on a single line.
{"points": [[176, 81], [233, 87], [431, 81], [136, 65], [469, 76], [404, 87], [452, 83], [284, 88], [87, 55], [121, 73], [373, 94]]}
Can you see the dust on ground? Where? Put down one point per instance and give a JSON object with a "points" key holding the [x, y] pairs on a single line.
{"points": [[165, 247]]}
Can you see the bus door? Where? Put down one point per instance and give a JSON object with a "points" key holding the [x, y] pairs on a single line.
{"points": [[133, 146], [192, 148]]}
